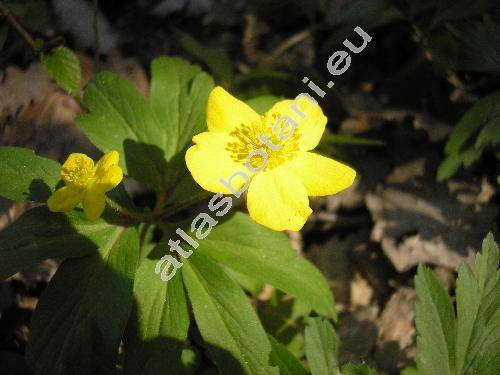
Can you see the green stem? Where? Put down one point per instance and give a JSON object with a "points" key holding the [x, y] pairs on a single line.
{"points": [[139, 216], [7, 14]]}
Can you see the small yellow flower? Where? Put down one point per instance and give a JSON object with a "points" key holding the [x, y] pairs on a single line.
{"points": [[86, 183], [239, 139]]}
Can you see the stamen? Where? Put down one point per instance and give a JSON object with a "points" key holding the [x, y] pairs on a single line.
{"points": [[247, 140], [79, 174]]}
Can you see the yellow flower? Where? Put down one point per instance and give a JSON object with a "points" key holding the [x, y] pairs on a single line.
{"points": [[239, 139], [86, 183]]}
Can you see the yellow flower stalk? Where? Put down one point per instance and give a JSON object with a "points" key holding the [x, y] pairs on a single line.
{"points": [[273, 150], [86, 183]]}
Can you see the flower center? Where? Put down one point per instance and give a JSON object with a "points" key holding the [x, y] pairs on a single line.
{"points": [[79, 174], [249, 138]]}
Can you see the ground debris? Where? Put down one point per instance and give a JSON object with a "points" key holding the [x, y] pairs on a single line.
{"points": [[418, 220]]}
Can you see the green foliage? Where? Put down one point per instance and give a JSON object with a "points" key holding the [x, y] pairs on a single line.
{"points": [[40, 235], [265, 256], [281, 357], [368, 14], [106, 291], [217, 61], [283, 318], [261, 104], [322, 351], [120, 119], [478, 46], [434, 321], [79, 322], [179, 93], [25, 176], [476, 131], [321, 347], [235, 338], [159, 322], [467, 343], [63, 66], [357, 369]]}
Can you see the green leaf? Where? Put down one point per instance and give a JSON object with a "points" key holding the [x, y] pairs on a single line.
{"points": [[478, 313], [179, 93], [25, 176], [120, 119], [449, 166], [63, 66], [217, 60], [479, 45], [79, 321], [227, 322], [265, 255], [281, 357], [284, 318], [262, 104], [409, 371], [321, 347], [186, 192], [357, 369], [159, 322], [484, 111], [474, 346], [39, 234], [435, 323], [489, 135], [481, 121]]}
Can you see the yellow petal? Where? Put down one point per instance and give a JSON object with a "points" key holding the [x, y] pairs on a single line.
{"points": [[65, 199], [77, 169], [93, 204], [277, 199], [309, 117], [109, 179], [107, 172], [225, 112], [321, 175], [209, 161], [107, 161]]}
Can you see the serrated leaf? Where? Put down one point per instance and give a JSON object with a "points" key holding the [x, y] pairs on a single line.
{"points": [[357, 369], [489, 135], [39, 234], [281, 357], [227, 322], [265, 255], [80, 318], [120, 119], [159, 322], [482, 120], [479, 45], [475, 343], [478, 313], [25, 176], [63, 66], [435, 322], [484, 111], [321, 347]]}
